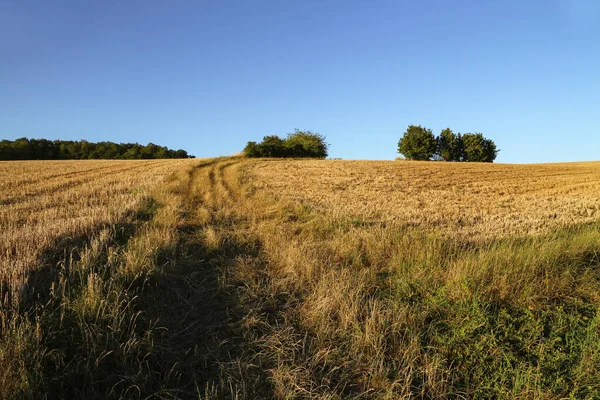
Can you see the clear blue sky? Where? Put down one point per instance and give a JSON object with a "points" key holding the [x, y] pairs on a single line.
{"points": [[208, 76]]}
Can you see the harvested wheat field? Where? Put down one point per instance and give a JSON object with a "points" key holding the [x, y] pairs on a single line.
{"points": [[44, 203], [469, 200], [271, 279]]}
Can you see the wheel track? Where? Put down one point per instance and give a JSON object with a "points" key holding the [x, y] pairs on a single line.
{"points": [[219, 191], [231, 196], [202, 310]]}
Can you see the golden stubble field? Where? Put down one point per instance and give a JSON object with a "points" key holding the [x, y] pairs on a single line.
{"points": [[45, 202], [398, 280], [472, 201]]}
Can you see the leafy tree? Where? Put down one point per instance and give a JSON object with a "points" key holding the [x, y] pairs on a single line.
{"points": [[306, 144], [180, 153], [448, 146], [22, 150], [252, 150], [6, 150], [418, 143], [478, 149], [149, 151], [133, 152], [69, 150], [112, 150], [42, 149], [272, 146]]}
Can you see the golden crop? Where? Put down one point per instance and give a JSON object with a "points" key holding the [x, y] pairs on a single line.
{"points": [[470, 200], [45, 202]]}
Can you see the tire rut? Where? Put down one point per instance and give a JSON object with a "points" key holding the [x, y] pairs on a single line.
{"points": [[200, 313]]}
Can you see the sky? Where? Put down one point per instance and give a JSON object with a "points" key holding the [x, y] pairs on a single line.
{"points": [[209, 76]]}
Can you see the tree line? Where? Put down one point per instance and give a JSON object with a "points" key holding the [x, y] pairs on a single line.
{"points": [[419, 143], [300, 144], [43, 149]]}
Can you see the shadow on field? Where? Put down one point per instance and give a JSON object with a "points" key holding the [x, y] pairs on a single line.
{"points": [[58, 259], [178, 331], [201, 346], [199, 339]]}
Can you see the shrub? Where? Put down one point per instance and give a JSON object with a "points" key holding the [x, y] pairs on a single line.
{"points": [[252, 150], [272, 146], [306, 144], [300, 144]]}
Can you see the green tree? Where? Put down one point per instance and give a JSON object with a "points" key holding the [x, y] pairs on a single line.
{"points": [[75, 151], [252, 150], [491, 150], [180, 153], [22, 149], [448, 146], [272, 146], [7, 151], [306, 144], [418, 143], [112, 150], [478, 149]]}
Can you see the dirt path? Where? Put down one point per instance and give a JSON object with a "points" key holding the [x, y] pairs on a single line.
{"points": [[199, 313]]}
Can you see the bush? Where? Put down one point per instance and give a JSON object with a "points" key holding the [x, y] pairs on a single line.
{"points": [[252, 150], [306, 144], [272, 146], [300, 144]]}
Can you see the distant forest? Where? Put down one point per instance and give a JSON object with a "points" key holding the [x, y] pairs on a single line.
{"points": [[43, 149]]}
